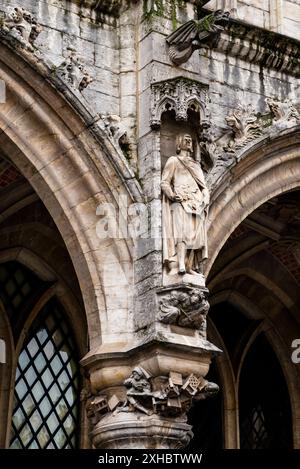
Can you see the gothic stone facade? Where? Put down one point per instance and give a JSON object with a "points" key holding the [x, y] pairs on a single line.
{"points": [[96, 97]]}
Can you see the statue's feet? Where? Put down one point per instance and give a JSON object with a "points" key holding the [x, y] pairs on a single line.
{"points": [[193, 272]]}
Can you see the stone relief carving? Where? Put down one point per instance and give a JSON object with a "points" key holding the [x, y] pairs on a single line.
{"points": [[166, 396], [74, 72], [185, 307], [170, 396], [100, 405], [20, 25], [196, 34], [244, 125], [178, 95], [117, 131], [283, 112], [184, 214]]}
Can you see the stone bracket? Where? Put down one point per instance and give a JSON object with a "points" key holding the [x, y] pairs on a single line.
{"points": [[184, 306]]}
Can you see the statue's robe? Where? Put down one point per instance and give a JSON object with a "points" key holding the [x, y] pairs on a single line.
{"points": [[184, 221]]}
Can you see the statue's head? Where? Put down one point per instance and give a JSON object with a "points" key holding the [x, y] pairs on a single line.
{"points": [[138, 373], [185, 142]]}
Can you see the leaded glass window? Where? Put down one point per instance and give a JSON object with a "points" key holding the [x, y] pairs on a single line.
{"points": [[19, 290], [45, 411], [265, 412]]}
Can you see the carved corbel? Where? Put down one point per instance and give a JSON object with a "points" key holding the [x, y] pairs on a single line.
{"points": [[185, 307]]}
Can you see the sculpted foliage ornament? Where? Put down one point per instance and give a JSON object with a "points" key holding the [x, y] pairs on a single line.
{"points": [[74, 72], [245, 127], [196, 34], [20, 25]]}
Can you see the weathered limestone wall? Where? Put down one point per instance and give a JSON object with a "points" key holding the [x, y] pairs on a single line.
{"points": [[126, 54], [65, 24], [282, 16]]}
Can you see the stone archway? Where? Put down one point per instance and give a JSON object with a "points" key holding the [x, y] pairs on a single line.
{"points": [[271, 168], [256, 273], [73, 168]]}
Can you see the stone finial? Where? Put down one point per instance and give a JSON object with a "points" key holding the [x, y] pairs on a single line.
{"points": [[186, 307], [196, 34], [20, 25], [179, 95], [74, 72], [244, 125]]}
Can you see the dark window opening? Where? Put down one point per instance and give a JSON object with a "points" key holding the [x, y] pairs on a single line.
{"points": [[265, 412], [46, 406]]}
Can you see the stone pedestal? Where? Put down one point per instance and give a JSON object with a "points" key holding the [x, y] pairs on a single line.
{"points": [[139, 397]]}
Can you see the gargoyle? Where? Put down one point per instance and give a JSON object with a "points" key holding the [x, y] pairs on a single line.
{"points": [[196, 34]]}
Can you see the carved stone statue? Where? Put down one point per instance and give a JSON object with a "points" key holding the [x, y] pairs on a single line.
{"points": [[195, 34], [185, 210]]}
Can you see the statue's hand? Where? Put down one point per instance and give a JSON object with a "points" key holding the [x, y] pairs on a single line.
{"points": [[177, 198]]}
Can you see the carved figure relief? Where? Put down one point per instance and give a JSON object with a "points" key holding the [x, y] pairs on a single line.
{"points": [[186, 308], [185, 211], [162, 395], [196, 34], [21, 25]]}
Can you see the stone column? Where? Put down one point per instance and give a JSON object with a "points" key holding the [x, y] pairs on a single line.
{"points": [[141, 390], [136, 400]]}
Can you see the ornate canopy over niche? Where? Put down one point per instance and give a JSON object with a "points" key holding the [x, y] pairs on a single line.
{"points": [[179, 95]]}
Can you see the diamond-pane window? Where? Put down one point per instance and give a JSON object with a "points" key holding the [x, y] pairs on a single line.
{"points": [[19, 290], [46, 389]]}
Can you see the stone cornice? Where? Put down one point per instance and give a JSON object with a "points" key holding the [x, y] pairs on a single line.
{"points": [[260, 46], [110, 7], [115, 7]]}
